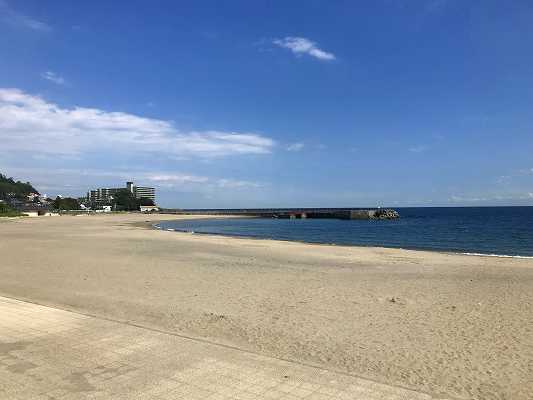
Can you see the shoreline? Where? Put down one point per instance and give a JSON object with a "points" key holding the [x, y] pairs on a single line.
{"points": [[153, 225]]}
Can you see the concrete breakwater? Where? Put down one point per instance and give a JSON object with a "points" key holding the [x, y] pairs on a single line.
{"points": [[296, 213]]}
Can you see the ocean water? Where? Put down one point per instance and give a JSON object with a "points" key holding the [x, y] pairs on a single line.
{"points": [[502, 231]]}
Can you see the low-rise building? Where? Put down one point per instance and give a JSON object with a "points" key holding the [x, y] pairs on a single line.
{"points": [[33, 196], [149, 208]]}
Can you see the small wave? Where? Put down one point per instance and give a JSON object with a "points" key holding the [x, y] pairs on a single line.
{"points": [[170, 229], [495, 255]]}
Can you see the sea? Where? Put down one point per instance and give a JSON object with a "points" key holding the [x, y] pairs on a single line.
{"points": [[490, 231]]}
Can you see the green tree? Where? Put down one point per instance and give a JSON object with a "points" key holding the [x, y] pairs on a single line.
{"points": [[67, 203], [124, 200], [145, 201]]}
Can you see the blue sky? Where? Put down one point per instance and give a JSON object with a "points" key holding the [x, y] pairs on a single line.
{"points": [[271, 104]]}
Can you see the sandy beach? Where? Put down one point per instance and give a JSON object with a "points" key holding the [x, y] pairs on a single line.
{"points": [[455, 325]]}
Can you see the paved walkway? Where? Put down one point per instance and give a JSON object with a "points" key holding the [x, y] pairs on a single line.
{"points": [[47, 353]]}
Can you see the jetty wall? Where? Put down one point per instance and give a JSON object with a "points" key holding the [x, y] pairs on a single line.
{"points": [[295, 213]]}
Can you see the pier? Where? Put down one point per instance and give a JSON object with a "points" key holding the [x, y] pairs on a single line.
{"points": [[294, 213]]}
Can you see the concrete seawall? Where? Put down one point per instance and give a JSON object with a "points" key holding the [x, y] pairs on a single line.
{"points": [[296, 213]]}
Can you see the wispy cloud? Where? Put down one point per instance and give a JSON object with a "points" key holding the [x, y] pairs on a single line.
{"points": [[462, 199], [173, 179], [53, 77], [503, 179], [31, 124], [17, 19], [295, 146], [235, 184], [514, 175], [491, 198], [300, 46], [523, 171], [419, 148]]}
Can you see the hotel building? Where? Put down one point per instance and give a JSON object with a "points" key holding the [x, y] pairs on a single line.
{"points": [[103, 195]]}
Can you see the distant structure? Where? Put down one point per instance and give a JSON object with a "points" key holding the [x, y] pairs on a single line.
{"points": [[103, 195], [141, 191]]}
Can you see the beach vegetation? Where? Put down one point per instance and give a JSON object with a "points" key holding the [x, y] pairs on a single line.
{"points": [[7, 211]]}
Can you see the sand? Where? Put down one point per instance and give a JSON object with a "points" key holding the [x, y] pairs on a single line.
{"points": [[455, 325]]}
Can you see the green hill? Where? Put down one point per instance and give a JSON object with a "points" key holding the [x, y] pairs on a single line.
{"points": [[10, 188]]}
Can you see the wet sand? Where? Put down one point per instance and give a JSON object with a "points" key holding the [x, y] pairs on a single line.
{"points": [[448, 324]]}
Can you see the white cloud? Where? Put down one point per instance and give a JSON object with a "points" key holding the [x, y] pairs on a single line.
{"points": [[295, 147], [232, 183], [301, 45], [16, 19], [177, 179], [53, 77], [459, 199], [31, 124], [418, 149]]}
